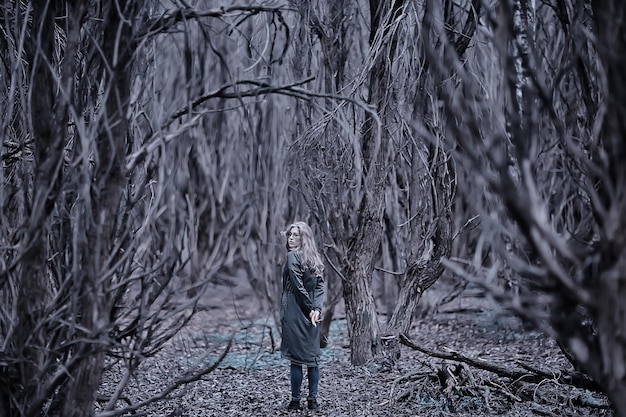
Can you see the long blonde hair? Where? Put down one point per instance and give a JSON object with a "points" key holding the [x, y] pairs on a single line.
{"points": [[308, 249]]}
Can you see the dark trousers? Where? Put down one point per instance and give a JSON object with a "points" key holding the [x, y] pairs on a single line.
{"points": [[313, 375]]}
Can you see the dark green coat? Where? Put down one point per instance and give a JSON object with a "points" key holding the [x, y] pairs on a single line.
{"points": [[302, 293]]}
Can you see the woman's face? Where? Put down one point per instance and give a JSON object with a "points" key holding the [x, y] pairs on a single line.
{"points": [[294, 238]]}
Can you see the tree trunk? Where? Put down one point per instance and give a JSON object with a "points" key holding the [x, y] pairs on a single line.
{"points": [[431, 226], [607, 365], [360, 306], [611, 321], [108, 186], [29, 339], [426, 267]]}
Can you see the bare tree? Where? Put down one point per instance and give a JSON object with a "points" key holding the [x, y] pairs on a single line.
{"points": [[382, 198], [431, 188], [344, 179], [540, 122], [119, 203]]}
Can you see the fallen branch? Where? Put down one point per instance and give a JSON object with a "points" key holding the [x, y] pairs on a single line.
{"points": [[527, 373]]}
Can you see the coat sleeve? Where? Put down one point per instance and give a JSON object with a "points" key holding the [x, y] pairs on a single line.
{"points": [[319, 293], [296, 271]]}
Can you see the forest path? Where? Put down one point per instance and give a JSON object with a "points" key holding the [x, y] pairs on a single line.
{"points": [[253, 380]]}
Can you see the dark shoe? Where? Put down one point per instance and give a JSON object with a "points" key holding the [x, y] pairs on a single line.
{"points": [[294, 405], [313, 405]]}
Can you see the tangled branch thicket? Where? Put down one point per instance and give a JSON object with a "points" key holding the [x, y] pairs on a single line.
{"points": [[152, 150]]}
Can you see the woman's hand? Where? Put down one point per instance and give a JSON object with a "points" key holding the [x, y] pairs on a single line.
{"points": [[315, 317]]}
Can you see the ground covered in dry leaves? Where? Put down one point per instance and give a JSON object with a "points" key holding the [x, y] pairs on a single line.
{"points": [[253, 380]]}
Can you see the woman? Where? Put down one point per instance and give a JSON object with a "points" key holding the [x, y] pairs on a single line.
{"points": [[300, 311]]}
